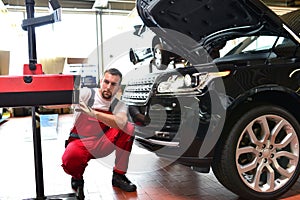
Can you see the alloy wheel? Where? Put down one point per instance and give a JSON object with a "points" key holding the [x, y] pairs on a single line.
{"points": [[267, 153]]}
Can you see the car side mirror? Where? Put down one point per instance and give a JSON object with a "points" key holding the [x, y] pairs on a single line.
{"points": [[139, 29]]}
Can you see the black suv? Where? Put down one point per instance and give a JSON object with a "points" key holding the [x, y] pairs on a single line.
{"points": [[235, 104]]}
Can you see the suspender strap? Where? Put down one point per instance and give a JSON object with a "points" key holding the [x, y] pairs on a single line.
{"points": [[92, 98], [78, 136], [75, 135]]}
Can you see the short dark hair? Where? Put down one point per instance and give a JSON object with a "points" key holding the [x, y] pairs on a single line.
{"points": [[115, 72]]}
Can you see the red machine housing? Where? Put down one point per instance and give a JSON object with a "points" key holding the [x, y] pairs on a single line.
{"points": [[36, 89]]}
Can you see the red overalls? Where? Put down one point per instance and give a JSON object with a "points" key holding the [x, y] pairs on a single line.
{"points": [[96, 140]]}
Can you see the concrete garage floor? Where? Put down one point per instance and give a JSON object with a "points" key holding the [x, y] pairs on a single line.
{"points": [[155, 177]]}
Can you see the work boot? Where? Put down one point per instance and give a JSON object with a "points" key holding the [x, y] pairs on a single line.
{"points": [[77, 186], [121, 181]]}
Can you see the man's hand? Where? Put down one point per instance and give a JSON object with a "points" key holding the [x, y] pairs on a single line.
{"points": [[85, 109]]}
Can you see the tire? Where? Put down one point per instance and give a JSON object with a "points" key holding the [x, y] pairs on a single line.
{"points": [[259, 158], [161, 57]]}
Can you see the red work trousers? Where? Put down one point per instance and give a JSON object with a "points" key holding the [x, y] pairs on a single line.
{"points": [[79, 151]]}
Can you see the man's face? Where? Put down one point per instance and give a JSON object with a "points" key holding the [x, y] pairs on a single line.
{"points": [[109, 85]]}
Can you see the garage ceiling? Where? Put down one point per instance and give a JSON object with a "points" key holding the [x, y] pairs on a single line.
{"points": [[126, 5]]}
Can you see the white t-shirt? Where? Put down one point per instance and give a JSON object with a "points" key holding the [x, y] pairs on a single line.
{"points": [[100, 102]]}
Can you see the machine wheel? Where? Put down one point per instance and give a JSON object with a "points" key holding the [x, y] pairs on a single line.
{"points": [[259, 158]]}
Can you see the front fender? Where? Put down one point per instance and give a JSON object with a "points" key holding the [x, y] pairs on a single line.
{"points": [[258, 92]]}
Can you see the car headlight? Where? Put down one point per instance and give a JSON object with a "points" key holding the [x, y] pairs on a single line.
{"points": [[187, 83]]}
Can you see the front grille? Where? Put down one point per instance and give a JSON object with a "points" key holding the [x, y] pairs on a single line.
{"points": [[138, 91]]}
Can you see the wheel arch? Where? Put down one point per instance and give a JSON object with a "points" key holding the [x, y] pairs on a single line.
{"points": [[279, 96]]}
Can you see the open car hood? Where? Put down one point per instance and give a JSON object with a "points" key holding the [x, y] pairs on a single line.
{"points": [[204, 20]]}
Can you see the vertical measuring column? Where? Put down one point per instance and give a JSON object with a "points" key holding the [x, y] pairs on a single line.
{"points": [[38, 160], [31, 34]]}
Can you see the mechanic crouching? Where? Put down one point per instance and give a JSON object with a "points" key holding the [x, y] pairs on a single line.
{"points": [[101, 126]]}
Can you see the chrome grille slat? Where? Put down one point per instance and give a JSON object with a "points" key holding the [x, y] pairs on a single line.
{"points": [[138, 91]]}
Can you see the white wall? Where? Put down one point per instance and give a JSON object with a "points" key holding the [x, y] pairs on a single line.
{"points": [[74, 36]]}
